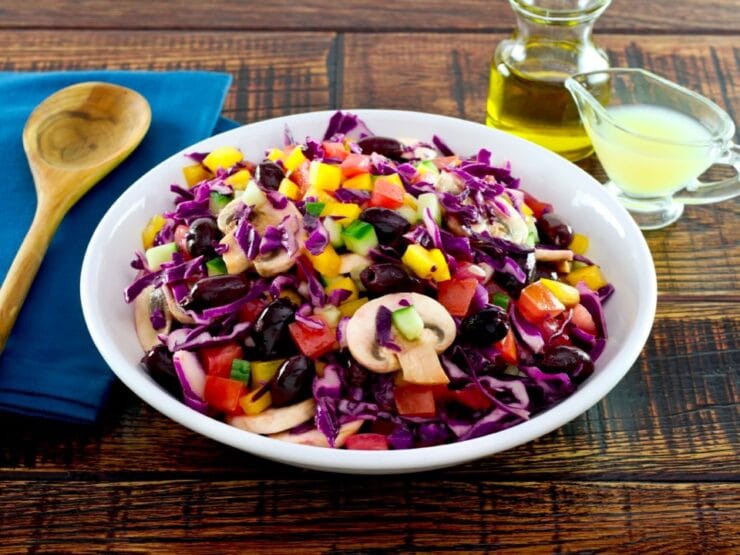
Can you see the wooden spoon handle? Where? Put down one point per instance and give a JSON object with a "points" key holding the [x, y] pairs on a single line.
{"points": [[23, 270]]}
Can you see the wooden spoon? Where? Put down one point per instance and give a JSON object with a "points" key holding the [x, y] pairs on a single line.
{"points": [[72, 140]]}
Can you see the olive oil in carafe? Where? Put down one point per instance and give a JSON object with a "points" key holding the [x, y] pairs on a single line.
{"points": [[536, 106]]}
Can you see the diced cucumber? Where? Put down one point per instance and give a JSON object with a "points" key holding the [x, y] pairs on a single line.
{"points": [[408, 322], [501, 299], [156, 256], [334, 229], [430, 201], [216, 267], [532, 236], [253, 195], [330, 314], [360, 237], [217, 201], [409, 213], [241, 370], [428, 170], [314, 208]]}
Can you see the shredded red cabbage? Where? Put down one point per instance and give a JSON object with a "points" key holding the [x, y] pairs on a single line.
{"points": [[383, 329]]}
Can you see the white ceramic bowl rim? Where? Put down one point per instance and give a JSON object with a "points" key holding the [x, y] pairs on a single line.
{"points": [[588, 394]]}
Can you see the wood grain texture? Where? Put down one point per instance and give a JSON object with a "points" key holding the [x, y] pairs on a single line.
{"points": [[367, 515], [673, 417], [351, 15]]}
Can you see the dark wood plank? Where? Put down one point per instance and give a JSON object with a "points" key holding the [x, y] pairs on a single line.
{"points": [[272, 76], [367, 515], [448, 75], [673, 417], [350, 15]]}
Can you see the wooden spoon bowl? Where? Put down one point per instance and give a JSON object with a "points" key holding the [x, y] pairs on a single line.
{"points": [[72, 140]]}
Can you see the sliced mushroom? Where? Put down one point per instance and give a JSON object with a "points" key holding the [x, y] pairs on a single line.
{"points": [[417, 359], [175, 309], [228, 215], [553, 255], [276, 420], [317, 439], [271, 263], [149, 300]]}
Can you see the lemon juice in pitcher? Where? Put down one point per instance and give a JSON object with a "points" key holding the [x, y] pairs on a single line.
{"points": [[527, 94]]}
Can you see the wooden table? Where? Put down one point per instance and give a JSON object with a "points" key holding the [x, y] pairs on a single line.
{"points": [[652, 468]]}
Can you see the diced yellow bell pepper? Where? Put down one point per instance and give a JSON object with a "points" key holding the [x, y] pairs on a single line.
{"points": [[263, 371], [442, 270], [526, 210], [324, 176], [410, 201], [347, 309], [363, 182], [590, 275], [239, 180], [327, 263], [150, 231], [289, 189], [252, 406], [319, 194], [579, 244], [566, 294], [292, 296], [275, 154], [344, 282], [419, 260], [294, 159], [224, 157], [346, 212], [195, 173], [393, 178]]}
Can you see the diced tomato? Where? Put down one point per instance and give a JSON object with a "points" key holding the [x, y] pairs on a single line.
{"points": [[355, 164], [507, 348], [386, 194], [582, 319], [222, 393], [250, 310], [181, 232], [537, 303], [471, 396], [446, 162], [335, 151], [415, 400], [367, 442], [538, 207], [299, 176], [456, 294], [217, 360], [313, 342]]}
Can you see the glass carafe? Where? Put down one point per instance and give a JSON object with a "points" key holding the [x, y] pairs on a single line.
{"points": [[527, 94]]}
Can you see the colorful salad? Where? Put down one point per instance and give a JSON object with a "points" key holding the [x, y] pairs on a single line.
{"points": [[364, 292]]}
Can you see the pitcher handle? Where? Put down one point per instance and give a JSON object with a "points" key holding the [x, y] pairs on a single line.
{"points": [[715, 191]]}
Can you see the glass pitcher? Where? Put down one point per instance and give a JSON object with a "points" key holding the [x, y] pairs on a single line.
{"points": [[527, 94]]}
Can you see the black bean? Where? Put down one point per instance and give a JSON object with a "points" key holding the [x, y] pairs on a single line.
{"points": [[271, 334], [385, 277], [158, 362], [292, 382], [390, 148], [564, 358], [269, 175], [554, 231], [486, 326], [389, 225], [215, 291], [201, 236]]}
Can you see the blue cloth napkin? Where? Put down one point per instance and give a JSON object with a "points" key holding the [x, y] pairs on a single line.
{"points": [[50, 367]]}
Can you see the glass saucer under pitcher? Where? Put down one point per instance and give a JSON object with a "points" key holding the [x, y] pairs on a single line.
{"points": [[527, 95]]}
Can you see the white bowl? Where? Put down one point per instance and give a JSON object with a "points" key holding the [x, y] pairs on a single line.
{"points": [[616, 244]]}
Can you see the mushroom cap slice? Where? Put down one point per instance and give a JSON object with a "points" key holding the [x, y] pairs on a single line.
{"points": [[362, 341], [175, 309], [226, 220], [317, 439], [146, 302], [276, 420]]}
